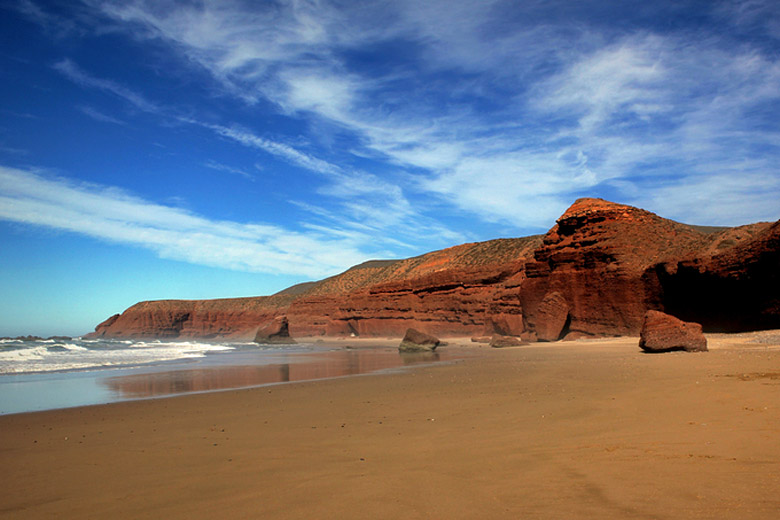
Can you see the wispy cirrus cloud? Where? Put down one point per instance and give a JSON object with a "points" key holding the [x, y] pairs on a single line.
{"points": [[275, 148], [670, 114], [229, 169], [79, 76], [278, 149], [365, 199], [502, 110], [97, 115], [110, 214], [53, 24]]}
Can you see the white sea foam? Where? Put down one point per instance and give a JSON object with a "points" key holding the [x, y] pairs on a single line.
{"points": [[39, 357], [71, 346], [23, 354]]}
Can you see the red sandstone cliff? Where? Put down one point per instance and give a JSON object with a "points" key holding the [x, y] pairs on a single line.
{"points": [[731, 285], [448, 292], [595, 272], [236, 318], [594, 259]]}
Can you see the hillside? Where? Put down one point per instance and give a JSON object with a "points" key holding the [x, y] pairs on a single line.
{"points": [[596, 272]]}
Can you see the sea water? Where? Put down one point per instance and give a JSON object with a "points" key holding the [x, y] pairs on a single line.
{"points": [[47, 374], [51, 355], [58, 373]]}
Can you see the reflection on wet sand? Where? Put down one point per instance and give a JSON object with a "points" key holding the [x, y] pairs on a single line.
{"points": [[292, 368]]}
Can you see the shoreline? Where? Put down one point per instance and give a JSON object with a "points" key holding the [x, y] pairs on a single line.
{"points": [[218, 371], [580, 429]]}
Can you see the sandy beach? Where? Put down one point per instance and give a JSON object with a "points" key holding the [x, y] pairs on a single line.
{"points": [[585, 429]]}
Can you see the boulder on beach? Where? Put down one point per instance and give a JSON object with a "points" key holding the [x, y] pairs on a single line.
{"points": [[499, 341], [529, 336], [277, 332], [551, 317], [662, 332], [416, 341]]}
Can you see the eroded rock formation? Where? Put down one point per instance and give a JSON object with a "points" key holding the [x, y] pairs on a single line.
{"points": [[596, 272], [275, 333], [662, 332], [552, 317], [416, 341], [731, 285], [236, 318]]}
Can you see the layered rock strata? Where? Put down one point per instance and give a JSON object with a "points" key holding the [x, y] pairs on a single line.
{"points": [[662, 332], [275, 333], [596, 272], [237, 318]]}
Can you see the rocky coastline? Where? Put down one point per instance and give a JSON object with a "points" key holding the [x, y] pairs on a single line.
{"points": [[595, 273]]}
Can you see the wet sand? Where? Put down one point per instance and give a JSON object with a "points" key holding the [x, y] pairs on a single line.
{"points": [[221, 371], [586, 429]]}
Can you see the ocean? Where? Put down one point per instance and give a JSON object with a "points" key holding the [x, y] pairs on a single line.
{"points": [[60, 373], [51, 355]]}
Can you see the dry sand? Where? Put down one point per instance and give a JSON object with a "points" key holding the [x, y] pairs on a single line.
{"points": [[587, 429]]}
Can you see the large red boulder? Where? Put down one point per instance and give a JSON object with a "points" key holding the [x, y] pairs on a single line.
{"points": [[662, 332], [416, 341], [277, 332]]}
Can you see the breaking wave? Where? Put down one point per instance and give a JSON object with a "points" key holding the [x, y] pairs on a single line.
{"points": [[18, 357]]}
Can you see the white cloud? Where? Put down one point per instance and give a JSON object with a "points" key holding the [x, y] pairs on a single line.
{"points": [[500, 110], [100, 116], [229, 169], [319, 91], [75, 74], [651, 99], [365, 199], [57, 26], [521, 187], [109, 214], [729, 198], [628, 78], [281, 150]]}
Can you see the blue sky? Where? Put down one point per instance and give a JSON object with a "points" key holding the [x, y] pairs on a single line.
{"points": [[156, 149]]}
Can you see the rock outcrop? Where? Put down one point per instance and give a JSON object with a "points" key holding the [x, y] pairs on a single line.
{"points": [[416, 341], [731, 285], [552, 317], [662, 332], [499, 341], [236, 318], [456, 291], [275, 333], [595, 273], [595, 258]]}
